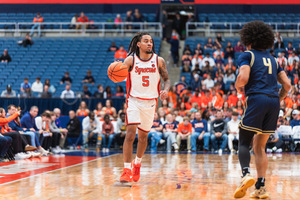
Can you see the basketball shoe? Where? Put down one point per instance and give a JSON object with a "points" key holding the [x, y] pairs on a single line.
{"points": [[126, 176], [247, 181], [260, 193], [135, 171]]}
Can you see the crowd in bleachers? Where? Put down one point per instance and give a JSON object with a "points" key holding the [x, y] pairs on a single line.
{"points": [[206, 85]]}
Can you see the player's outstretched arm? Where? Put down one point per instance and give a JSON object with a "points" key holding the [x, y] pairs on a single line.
{"points": [[243, 77], [286, 84], [128, 62], [165, 76]]}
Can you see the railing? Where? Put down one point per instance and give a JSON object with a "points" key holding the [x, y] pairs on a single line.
{"points": [[207, 28], [83, 28]]}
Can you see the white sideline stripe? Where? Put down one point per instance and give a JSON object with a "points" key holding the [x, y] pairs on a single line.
{"points": [[59, 169]]}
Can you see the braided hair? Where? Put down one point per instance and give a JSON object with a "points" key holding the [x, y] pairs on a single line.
{"points": [[133, 48]]}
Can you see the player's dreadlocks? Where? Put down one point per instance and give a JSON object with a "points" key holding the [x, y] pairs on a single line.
{"points": [[258, 34], [133, 48]]}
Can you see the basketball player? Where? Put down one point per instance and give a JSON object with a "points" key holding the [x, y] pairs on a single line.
{"points": [[143, 89], [258, 76]]}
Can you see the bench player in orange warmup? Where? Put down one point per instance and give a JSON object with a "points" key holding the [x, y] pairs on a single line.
{"points": [[143, 89]]}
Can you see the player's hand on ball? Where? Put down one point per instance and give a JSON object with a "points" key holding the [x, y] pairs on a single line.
{"points": [[163, 95]]}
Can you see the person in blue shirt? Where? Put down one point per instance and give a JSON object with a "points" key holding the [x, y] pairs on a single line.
{"points": [[296, 120], [57, 121], [258, 76], [156, 133], [170, 131], [201, 133]]}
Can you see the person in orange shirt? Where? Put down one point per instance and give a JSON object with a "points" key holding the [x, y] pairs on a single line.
{"points": [[165, 107], [288, 101], [83, 110], [240, 107], [37, 21], [121, 53], [233, 99], [196, 98], [184, 133], [205, 98], [109, 109], [217, 100], [172, 96]]}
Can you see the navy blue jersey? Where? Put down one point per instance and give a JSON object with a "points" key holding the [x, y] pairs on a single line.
{"points": [[156, 123], [263, 72], [171, 126], [200, 126]]}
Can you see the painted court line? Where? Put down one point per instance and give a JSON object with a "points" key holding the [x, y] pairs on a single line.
{"points": [[58, 169]]}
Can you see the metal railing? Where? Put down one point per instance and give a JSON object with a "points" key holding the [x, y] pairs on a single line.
{"points": [[62, 28], [232, 28]]}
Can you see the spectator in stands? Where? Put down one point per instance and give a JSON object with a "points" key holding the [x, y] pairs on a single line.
{"points": [[66, 78], [120, 91], [199, 49], [5, 143], [174, 47], [197, 59], [108, 93], [279, 44], [8, 92], [196, 82], [107, 133], [186, 68], [229, 77], [164, 23], [129, 19], [67, 93], [27, 41], [239, 47], [50, 87], [229, 51], [137, 16], [37, 21], [121, 53], [28, 124], [46, 94], [170, 130], [293, 57], [27, 93], [98, 109], [281, 58], [109, 109], [209, 59], [209, 44], [37, 86], [296, 120], [85, 93], [218, 41], [219, 132], [83, 110], [57, 113], [89, 128], [277, 36], [89, 78], [200, 133], [25, 85], [184, 132], [61, 133], [73, 126], [118, 20], [178, 25], [289, 49], [208, 82], [82, 19], [233, 131], [5, 57], [99, 94], [233, 99], [274, 144], [74, 21], [187, 48], [121, 130], [155, 133], [113, 47], [298, 50]]}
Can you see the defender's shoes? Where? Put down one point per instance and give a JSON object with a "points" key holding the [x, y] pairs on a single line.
{"points": [[260, 193], [247, 181]]}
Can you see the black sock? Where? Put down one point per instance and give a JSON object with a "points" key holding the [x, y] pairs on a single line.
{"points": [[260, 182], [245, 171]]}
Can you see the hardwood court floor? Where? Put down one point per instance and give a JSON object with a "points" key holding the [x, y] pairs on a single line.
{"points": [[163, 176]]}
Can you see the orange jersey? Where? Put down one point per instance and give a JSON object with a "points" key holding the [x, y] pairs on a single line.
{"points": [[181, 113], [172, 97], [184, 129], [166, 111], [240, 111], [197, 100], [82, 113], [288, 102], [108, 111], [232, 100], [205, 100], [217, 101]]}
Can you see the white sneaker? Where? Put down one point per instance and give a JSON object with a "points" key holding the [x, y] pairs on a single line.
{"points": [[162, 141], [220, 151], [176, 151], [232, 151], [107, 150], [34, 154], [104, 150], [269, 150], [22, 156], [189, 151], [279, 150], [175, 146], [43, 151]]}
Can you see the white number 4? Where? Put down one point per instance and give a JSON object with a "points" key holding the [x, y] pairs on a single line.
{"points": [[267, 63]]}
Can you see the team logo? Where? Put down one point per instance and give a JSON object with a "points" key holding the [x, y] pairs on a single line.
{"points": [[153, 65]]}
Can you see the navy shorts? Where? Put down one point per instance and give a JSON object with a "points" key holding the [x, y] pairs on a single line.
{"points": [[260, 114]]}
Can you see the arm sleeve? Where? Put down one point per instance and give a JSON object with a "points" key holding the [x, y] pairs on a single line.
{"points": [[225, 128], [244, 59], [4, 121]]}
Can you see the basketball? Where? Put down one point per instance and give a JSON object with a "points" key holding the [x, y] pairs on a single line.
{"points": [[117, 72]]}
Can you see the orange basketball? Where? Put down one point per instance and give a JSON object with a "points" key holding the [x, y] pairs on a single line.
{"points": [[117, 72]]}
